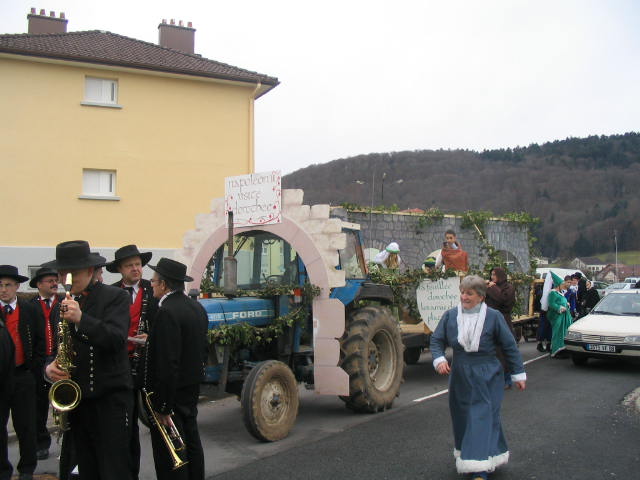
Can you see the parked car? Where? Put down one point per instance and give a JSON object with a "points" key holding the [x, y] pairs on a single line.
{"points": [[610, 330], [616, 286], [600, 287], [631, 280]]}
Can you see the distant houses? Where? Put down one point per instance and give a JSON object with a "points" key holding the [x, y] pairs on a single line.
{"points": [[590, 265], [613, 273], [606, 272]]}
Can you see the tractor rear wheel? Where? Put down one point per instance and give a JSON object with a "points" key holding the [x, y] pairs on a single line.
{"points": [[372, 354], [269, 401]]}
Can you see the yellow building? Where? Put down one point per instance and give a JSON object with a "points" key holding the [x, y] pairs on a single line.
{"points": [[115, 140]]}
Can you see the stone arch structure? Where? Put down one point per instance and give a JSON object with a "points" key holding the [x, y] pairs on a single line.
{"points": [[317, 239]]}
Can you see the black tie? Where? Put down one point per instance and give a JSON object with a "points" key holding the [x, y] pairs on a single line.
{"points": [[8, 310], [48, 302], [130, 290]]}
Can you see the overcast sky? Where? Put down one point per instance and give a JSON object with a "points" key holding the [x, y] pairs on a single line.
{"points": [[377, 76]]}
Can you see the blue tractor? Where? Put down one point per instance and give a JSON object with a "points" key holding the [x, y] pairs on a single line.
{"points": [[266, 375]]}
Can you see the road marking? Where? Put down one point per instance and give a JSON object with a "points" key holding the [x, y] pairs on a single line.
{"points": [[546, 355], [443, 392]]}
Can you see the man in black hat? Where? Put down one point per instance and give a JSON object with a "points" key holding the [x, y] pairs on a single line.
{"points": [[177, 349], [7, 368], [580, 293], [128, 262], [26, 328], [99, 314], [48, 301]]}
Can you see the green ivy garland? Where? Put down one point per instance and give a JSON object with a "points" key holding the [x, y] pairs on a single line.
{"points": [[245, 334], [477, 221], [404, 284]]}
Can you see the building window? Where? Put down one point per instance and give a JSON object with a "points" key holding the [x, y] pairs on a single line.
{"points": [[100, 92], [99, 184]]}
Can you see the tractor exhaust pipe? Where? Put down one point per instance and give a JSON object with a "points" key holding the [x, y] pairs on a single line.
{"points": [[230, 264]]}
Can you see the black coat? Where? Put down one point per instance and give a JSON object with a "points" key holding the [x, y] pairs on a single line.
{"points": [[100, 341], [54, 318], [177, 349], [31, 330], [7, 361], [149, 312]]}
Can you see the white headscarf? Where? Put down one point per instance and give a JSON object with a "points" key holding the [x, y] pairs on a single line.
{"points": [[546, 289], [470, 327]]}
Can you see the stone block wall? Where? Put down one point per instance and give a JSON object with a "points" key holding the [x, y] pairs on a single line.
{"points": [[418, 241]]}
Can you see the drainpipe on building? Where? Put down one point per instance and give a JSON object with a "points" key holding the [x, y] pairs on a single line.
{"points": [[252, 160]]}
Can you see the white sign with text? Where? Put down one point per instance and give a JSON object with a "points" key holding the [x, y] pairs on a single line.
{"points": [[254, 199], [435, 297]]}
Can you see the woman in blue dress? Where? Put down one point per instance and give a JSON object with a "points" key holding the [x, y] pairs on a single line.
{"points": [[476, 382]]}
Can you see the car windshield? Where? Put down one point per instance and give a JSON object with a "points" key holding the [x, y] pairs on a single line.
{"points": [[617, 286], [619, 304]]}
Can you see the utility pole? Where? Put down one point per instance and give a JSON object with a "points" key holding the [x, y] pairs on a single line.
{"points": [[615, 241]]}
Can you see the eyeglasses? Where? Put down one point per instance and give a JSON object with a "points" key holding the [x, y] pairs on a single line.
{"points": [[155, 280]]}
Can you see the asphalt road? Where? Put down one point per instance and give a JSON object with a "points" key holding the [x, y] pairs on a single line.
{"points": [[569, 423]]}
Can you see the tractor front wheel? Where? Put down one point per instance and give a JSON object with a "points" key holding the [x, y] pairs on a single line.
{"points": [[269, 401]]}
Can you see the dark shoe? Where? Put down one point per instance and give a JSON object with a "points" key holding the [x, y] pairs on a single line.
{"points": [[540, 348], [42, 454], [25, 476], [547, 348]]}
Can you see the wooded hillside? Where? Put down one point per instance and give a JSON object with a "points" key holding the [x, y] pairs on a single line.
{"points": [[581, 189]]}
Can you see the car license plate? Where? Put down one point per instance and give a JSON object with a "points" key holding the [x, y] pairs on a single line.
{"points": [[601, 348]]}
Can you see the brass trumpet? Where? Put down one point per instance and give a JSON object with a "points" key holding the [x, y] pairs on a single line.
{"points": [[64, 394], [170, 435]]}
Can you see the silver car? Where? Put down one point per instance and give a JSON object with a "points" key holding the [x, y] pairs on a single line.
{"points": [[611, 330]]}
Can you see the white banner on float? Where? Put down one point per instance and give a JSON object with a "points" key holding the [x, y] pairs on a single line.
{"points": [[254, 199], [436, 297]]}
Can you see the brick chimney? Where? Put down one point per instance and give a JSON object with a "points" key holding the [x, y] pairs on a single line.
{"points": [[176, 37], [46, 24]]}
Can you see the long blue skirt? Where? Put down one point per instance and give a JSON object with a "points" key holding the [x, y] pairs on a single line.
{"points": [[476, 389]]}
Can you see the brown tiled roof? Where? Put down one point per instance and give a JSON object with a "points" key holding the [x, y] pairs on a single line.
{"points": [[106, 48]]}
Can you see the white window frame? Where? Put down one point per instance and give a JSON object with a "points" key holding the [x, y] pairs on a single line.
{"points": [[100, 92], [99, 184]]}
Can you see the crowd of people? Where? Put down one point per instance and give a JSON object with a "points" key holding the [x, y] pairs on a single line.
{"points": [[562, 302], [135, 337], [145, 339]]}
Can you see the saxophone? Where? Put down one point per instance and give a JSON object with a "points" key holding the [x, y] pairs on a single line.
{"points": [[64, 394]]}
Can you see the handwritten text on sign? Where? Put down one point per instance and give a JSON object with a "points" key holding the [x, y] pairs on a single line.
{"points": [[436, 297], [255, 199]]}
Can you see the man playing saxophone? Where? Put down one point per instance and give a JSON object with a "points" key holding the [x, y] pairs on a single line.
{"points": [[100, 425]]}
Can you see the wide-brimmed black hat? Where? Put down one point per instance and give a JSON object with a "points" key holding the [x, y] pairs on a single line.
{"points": [[75, 255], [172, 269], [12, 272], [127, 251], [41, 272]]}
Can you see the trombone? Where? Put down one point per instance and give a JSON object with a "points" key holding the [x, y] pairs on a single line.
{"points": [[170, 434]]}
